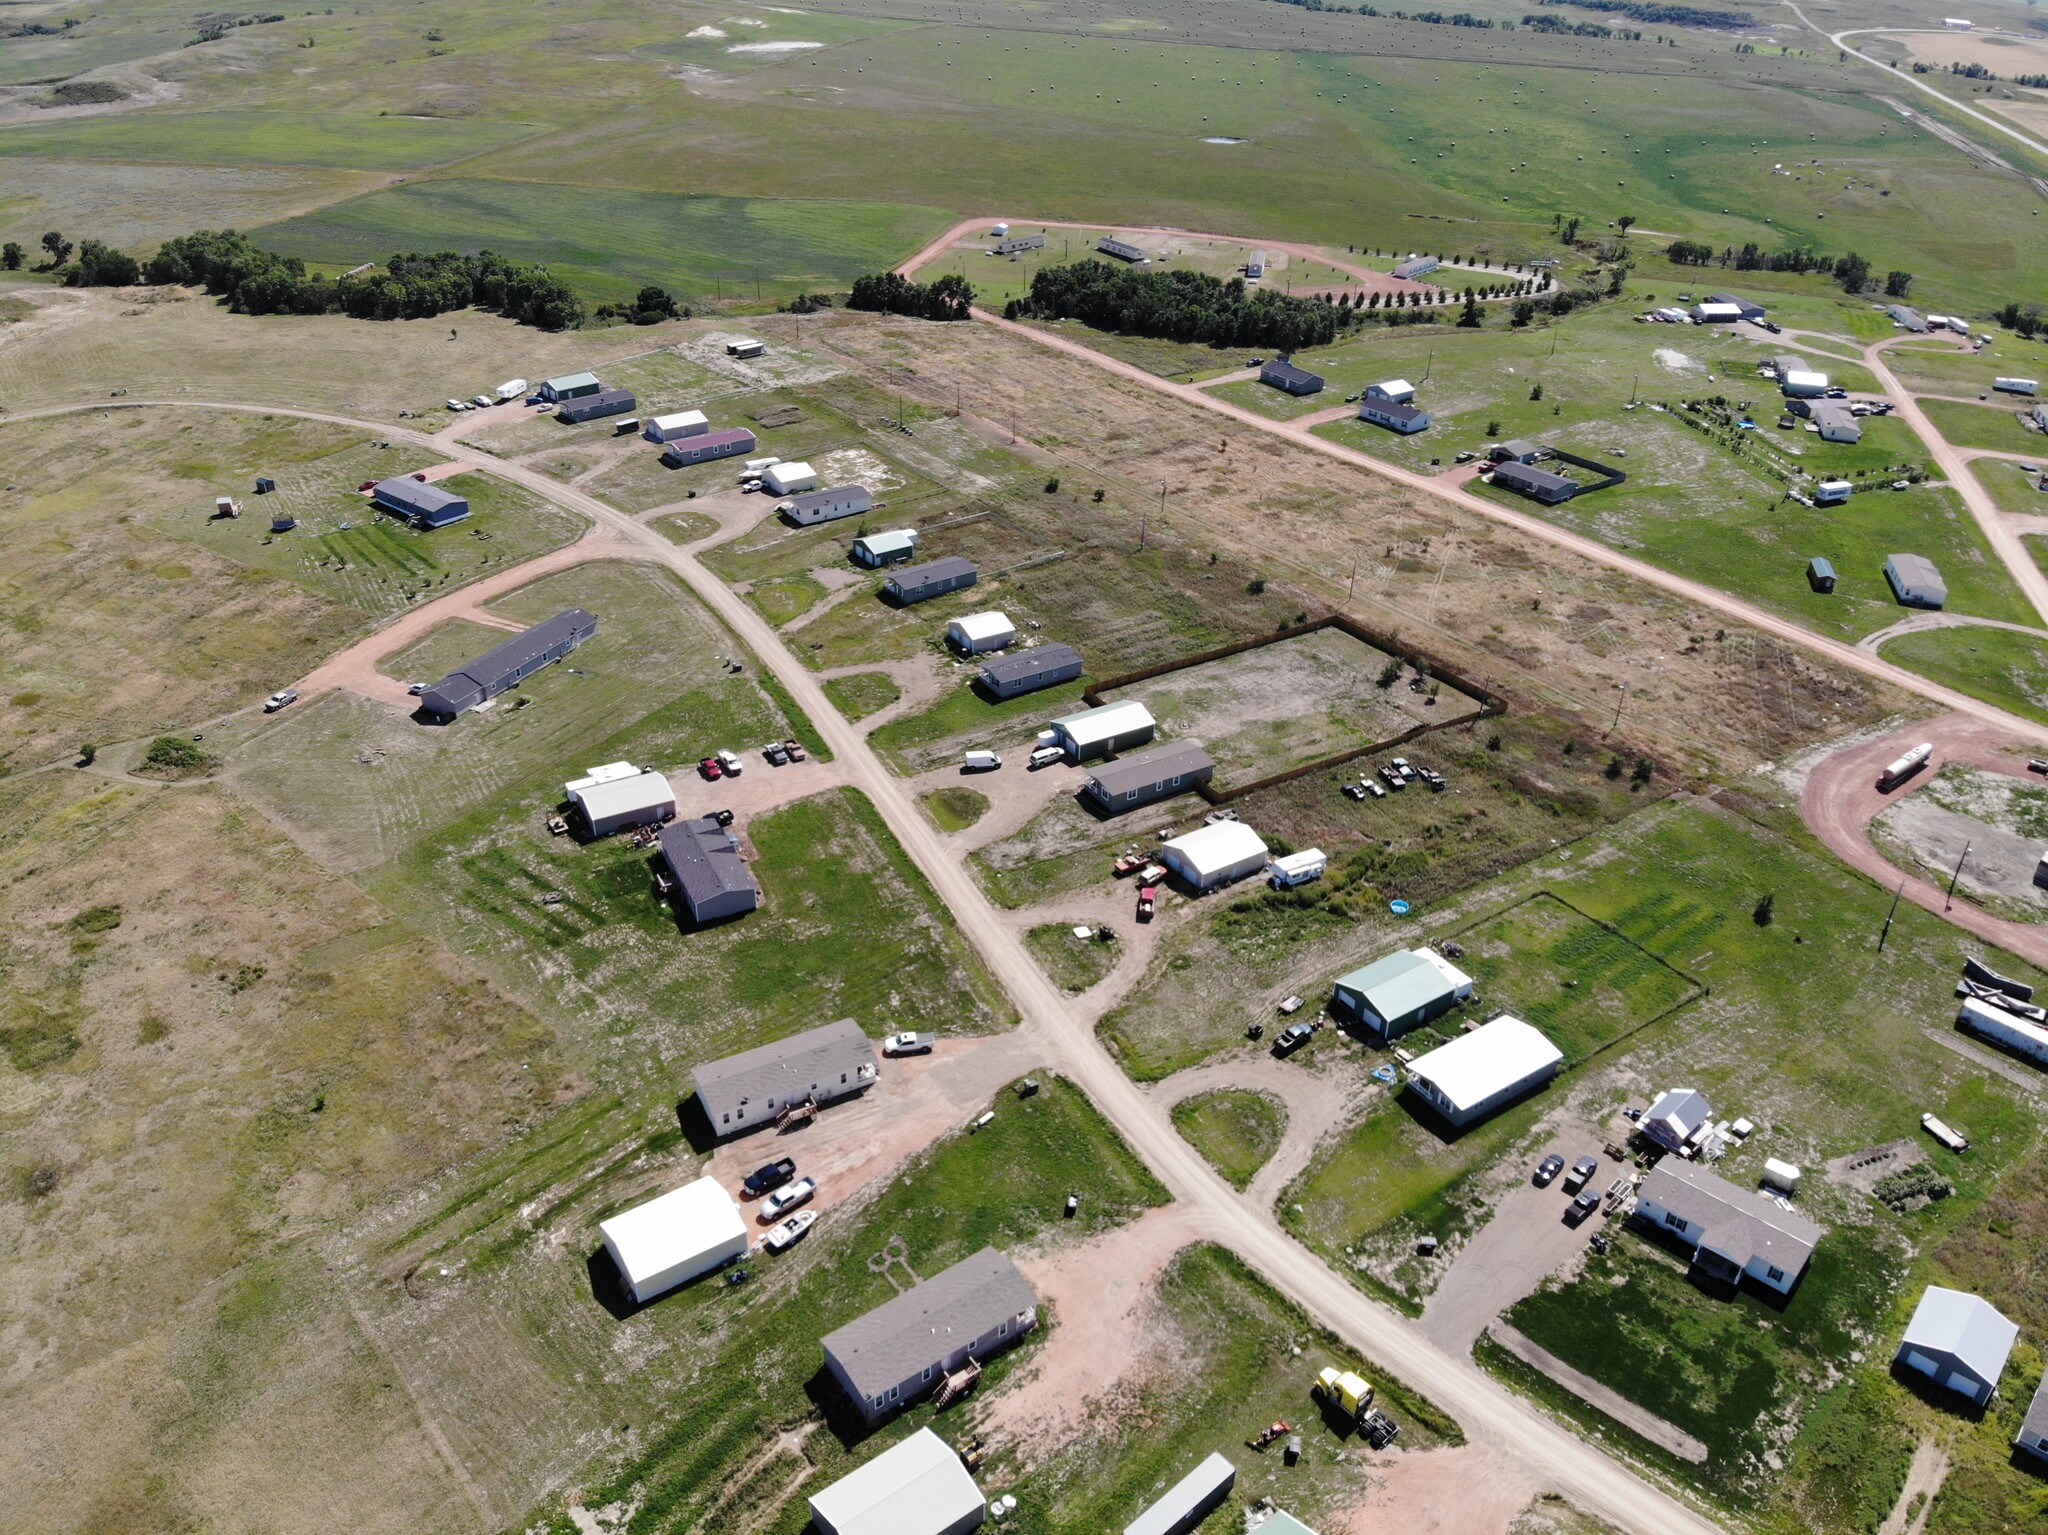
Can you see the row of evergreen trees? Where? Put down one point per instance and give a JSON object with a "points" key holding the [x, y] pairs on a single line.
{"points": [[1180, 306], [411, 286]]}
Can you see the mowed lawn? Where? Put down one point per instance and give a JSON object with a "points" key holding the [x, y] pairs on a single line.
{"points": [[610, 242], [368, 141], [2000, 666]]}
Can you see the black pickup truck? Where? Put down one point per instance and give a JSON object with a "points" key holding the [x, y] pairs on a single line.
{"points": [[763, 1180]]}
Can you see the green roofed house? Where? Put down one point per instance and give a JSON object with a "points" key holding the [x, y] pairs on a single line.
{"points": [[1403, 991], [570, 386]]}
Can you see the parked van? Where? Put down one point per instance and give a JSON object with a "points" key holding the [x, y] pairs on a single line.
{"points": [[1046, 756], [630, 427], [981, 762]]}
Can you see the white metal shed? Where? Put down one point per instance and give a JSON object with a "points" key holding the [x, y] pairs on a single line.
{"points": [[976, 632], [675, 1237], [1215, 855]]}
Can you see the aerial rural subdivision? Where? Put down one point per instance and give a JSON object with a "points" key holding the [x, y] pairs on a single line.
{"points": [[1091, 767]]}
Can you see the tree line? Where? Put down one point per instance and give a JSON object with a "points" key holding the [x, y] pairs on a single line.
{"points": [[1850, 270], [1179, 306], [1659, 14], [412, 285], [949, 298]]}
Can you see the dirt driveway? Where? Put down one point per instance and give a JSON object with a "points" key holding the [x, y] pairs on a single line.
{"points": [[1527, 1240]]}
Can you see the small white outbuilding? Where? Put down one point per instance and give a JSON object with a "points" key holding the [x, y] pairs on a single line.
{"points": [[975, 633], [918, 1487], [788, 479], [1781, 1175], [617, 795], [1802, 384], [674, 1238], [682, 423], [1216, 855]]}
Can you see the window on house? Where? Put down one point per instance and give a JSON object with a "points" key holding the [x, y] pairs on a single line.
{"points": [[927, 1372], [1004, 1328], [842, 1079], [1673, 1218], [1776, 1275]]}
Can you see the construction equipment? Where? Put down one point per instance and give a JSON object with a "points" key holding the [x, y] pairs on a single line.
{"points": [[1345, 1390], [1267, 1435]]}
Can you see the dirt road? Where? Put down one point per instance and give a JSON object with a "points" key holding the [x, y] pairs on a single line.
{"points": [[1841, 798]]}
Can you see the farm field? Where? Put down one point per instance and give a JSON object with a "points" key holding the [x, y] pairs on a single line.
{"points": [[135, 206], [122, 626]]}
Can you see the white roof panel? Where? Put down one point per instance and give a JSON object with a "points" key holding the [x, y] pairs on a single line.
{"points": [[1091, 726], [1222, 845], [624, 796], [1496, 1055], [917, 1487], [979, 628], [681, 418], [604, 773], [673, 1229]]}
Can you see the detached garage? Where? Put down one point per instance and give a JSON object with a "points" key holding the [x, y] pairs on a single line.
{"points": [[618, 795], [1216, 855], [977, 632], [1958, 1340], [1482, 1071], [918, 1487], [682, 423], [789, 479], [671, 1240]]}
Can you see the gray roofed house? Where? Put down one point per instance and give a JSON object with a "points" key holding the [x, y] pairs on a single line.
{"points": [[1677, 1113], [2033, 1434], [1538, 484], [1734, 1233], [827, 504], [745, 1091], [1394, 415], [934, 578], [1910, 319], [1026, 671], [1751, 310], [509, 664], [1518, 450], [709, 874], [591, 407], [1959, 1340], [1916, 581], [907, 1346], [421, 504], [1284, 375], [1129, 782]]}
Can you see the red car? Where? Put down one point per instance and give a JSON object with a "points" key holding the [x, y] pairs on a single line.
{"points": [[367, 485], [1148, 899], [710, 769]]}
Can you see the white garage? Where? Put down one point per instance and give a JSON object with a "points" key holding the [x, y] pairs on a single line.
{"points": [[674, 1238], [977, 632], [1215, 855]]}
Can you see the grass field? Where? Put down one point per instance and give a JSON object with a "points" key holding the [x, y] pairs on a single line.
{"points": [[1763, 1042], [1074, 964], [330, 140], [609, 241], [1235, 1131], [1995, 425], [955, 808], [2000, 666], [862, 693]]}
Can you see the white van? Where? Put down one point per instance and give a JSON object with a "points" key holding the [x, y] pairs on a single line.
{"points": [[1045, 756], [981, 762]]}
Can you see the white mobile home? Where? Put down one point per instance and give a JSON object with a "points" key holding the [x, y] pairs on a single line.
{"points": [[674, 1238], [826, 505]]}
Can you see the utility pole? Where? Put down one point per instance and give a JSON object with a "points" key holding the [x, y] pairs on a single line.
{"points": [[1951, 900], [1634, 379], [1889, 915], [1352, 585], [1617, 709]]}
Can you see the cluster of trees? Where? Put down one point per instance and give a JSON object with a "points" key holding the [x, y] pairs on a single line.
{"points": [[1433, 18], [2026, 323], [1564, 26], [1181, 306], [650, 306], [1979, 72], [808, 303], [412, 285], [1851, 271], [891, 293], [98, 265], [1657, 13], [213, 29]]}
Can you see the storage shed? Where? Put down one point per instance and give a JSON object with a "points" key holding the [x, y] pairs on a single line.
{"points": [[1516, 450], [875, 550], [1537, 484], [672, 1239], [1219, 854], [1129, 782], [918, 1487], [1404, 990], [934, 578], [2006, 1030], [1479, 1072], [826, 505], [727, 442], [908, 1345], [1676, 1117], [710, 877], [974, 633], [1915, 581], [1096, 732], [1284, 375], [821, 1065], [569, 386], [421, 504], [610, 800], [1958, 1340], [1188, 1501], [1747, 308], [1716, 314], [1820, 573], [789, 479], [507, 665], [590, 407], [681, 423], [2033, 1434], [1026, 671], [1398, 391]]}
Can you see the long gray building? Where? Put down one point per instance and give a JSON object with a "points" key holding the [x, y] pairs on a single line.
{"points": [[1026, 671], [1537, 484], [1129, 782], [934, 578], [711, 878], [509, 664], [421, 504], [590, 407], [907, 1346], [1189, 1501], [745, 1091]]}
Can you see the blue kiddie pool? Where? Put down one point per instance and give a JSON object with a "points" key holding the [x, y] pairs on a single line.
{"points": [[1398, 908]]}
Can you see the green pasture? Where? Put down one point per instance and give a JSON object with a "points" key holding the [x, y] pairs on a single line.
{"points": [[2000, 666], [1236, 1131], [369, 141], [862, 693], [610, 241], [1995, 425]]}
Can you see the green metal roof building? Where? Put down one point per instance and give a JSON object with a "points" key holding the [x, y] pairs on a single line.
{"points": [[1393, 995]]}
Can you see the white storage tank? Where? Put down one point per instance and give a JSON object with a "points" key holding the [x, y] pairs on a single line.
{"points": [[1781, 1175]]}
